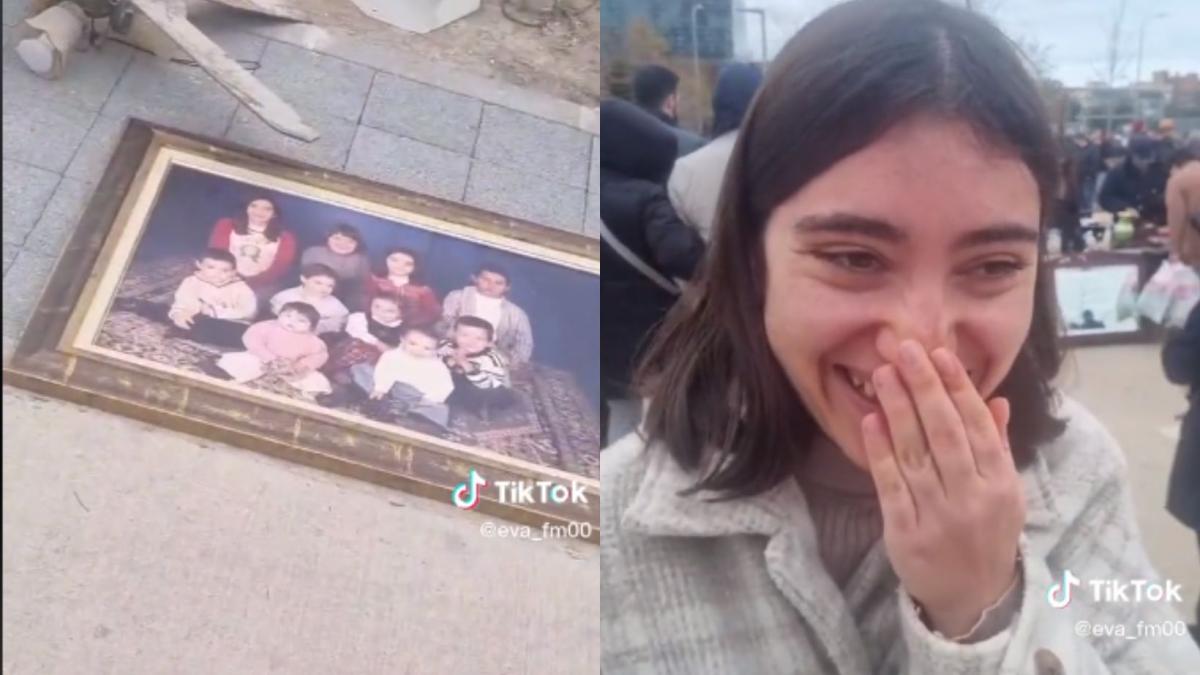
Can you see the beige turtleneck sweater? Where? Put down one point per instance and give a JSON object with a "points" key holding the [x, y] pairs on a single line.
{"points": [[844, 509]]}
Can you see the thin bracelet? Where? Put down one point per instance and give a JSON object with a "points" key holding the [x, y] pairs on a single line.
{"points": [[986, 612]]}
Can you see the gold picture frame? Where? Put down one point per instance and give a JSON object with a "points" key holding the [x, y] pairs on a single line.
{"points": [[61, 352]]}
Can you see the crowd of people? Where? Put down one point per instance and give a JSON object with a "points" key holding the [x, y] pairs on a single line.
{"points": [[1121, 173], [659, 185]]}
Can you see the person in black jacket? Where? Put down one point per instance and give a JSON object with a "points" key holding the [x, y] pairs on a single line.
{"points": [[1138, 183], [656, 90], [637, 153], [1181, 361]]}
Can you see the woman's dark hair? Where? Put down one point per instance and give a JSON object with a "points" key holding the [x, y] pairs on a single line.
{"points": [[241, 224], [351, 232], [415, 276], [843, 81]]}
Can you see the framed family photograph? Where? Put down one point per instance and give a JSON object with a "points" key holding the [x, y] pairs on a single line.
{"points": [[331, 320]]}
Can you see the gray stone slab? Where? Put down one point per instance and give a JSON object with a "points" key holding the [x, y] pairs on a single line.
{"points": [[424, 113], [591, 220], [42, 133], [330, 150], [350, 45], [88, 81], [552, 151], [409, 164], [60, 218], [10, 253], [16, 11], [91, 159], [172, 94], [323, 84], [227, 28], [525, 196], [594, 171], [23, 284], [27, 190]]}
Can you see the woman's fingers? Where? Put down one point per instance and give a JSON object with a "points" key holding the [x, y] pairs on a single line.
{"points": [[899, 511], [939, 418], [907, 436], [987, 446]]}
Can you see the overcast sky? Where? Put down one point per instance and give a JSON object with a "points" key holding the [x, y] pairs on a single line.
{"points": [[1075, 32]]}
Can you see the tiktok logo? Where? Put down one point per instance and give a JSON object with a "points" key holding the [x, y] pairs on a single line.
{"points": [[1059, 595], [466, 495]]}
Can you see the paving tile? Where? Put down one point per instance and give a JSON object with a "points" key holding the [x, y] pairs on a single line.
{"points": [[86, 83], [16, 11], [41, 133], [227, 28], [594, 171], [521, 141], [10, 253], [172, 94], [409, 164], [591, 219], [424, 113], [525, 196], [23, 284], [330, 150], [27, 190], [97, 148], [323, 84], [60, 218]]}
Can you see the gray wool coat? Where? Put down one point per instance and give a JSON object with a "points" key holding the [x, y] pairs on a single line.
{"points": [[691, 587]]}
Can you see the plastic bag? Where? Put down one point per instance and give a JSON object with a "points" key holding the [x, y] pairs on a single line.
{"points": [[1170, 294], [1127, 300]]}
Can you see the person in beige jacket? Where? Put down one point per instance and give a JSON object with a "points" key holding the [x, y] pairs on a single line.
{"points": [[1183, 207], [695, 182]]}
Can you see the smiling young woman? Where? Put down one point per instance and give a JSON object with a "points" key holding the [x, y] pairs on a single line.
{"points": [[854, 459]]}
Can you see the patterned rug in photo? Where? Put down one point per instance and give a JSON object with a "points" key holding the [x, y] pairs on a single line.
{"points": [[552, 423]]}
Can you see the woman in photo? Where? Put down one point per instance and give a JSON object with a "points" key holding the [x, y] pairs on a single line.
{"points": [[401, 276], [854, 458], [263, 249]]}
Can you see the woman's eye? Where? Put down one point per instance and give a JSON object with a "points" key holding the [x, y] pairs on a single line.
{"points": [[996, 269], [854, 261]]}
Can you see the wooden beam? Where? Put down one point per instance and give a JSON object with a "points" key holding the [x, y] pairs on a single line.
{"points": [[171, 17]]}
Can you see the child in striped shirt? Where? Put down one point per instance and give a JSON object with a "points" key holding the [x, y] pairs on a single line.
{"points": [[479, 370]]}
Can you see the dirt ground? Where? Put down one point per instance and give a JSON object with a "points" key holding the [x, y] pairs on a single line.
{"points": [[561, 58]]}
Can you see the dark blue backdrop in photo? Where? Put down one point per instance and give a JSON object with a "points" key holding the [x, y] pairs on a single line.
{"points": [[563, 304]]}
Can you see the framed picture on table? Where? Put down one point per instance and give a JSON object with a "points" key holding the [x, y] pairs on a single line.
{"points": [[1097, 295], [331, 320]]}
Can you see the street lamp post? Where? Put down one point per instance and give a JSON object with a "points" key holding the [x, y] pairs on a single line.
{"points": [[696, 43], [762, 22], [1142, 41]]}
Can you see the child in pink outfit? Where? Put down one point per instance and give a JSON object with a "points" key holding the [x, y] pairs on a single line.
{"points": [[286, 346]]}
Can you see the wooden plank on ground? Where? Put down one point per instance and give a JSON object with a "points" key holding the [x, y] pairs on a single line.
{"points": [[171, 17]]}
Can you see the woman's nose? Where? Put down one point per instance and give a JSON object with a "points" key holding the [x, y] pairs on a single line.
{"points": [[931, 324]]}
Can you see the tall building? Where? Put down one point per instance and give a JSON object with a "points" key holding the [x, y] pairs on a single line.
{"points": [[672, 19]]}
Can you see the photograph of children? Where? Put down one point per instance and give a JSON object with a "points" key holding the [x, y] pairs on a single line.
{"points": [[365, 317]]}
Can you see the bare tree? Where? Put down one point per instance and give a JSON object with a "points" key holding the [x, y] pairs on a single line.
{"points": [[1115, 59]]}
